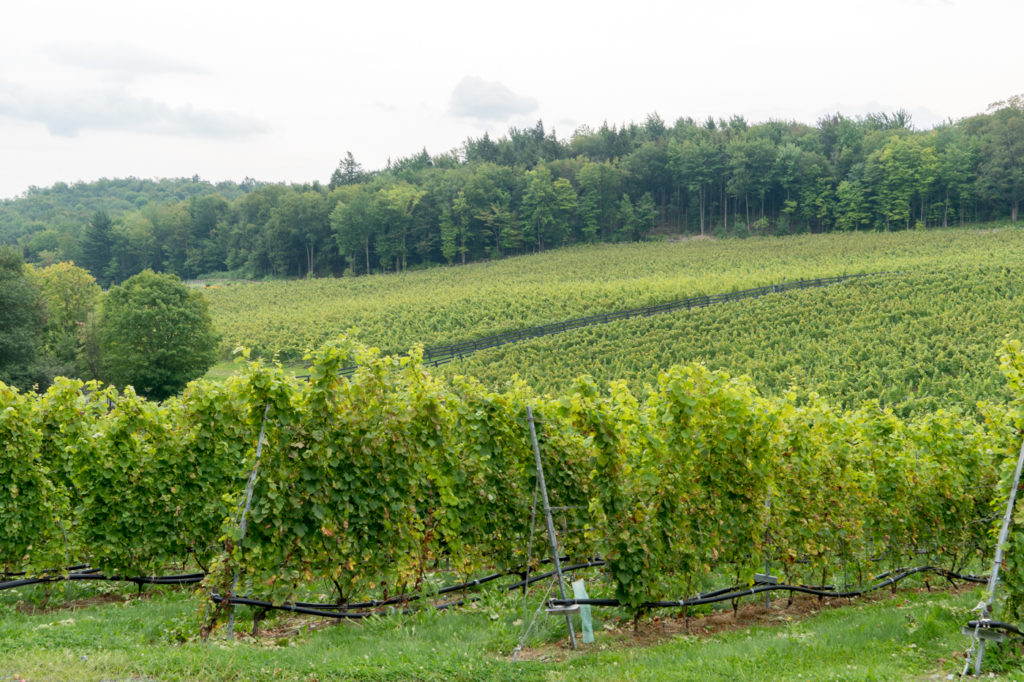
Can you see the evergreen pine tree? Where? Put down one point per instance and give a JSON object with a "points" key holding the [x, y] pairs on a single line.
{"points": [[97, 240]]}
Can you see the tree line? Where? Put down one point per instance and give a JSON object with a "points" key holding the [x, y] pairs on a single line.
{"points": [[150, 331], [529, 191]]}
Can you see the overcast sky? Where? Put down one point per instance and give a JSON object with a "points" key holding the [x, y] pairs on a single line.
{"points": [[280, 91]]}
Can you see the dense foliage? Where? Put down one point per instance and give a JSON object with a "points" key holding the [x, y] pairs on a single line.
{"points": [[151, 332], [370, 481], [154, 334], [529, 191], [70, 295], [49, 220], [22, 318]]}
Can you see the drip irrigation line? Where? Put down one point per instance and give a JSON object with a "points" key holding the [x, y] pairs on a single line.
{"points": [[757, 589], [399, 599], [332, 610], [377, 603], [78, 567], [542, 576], [22, 582], [328, 610], [337, 615], [95, 574], [710, 597], [243, 601], [191, 578], [995, 625]]}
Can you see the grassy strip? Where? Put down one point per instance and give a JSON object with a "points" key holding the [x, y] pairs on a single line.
{"points": [[905, 636]]}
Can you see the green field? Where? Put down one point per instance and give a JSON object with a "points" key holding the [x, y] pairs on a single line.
{"points": [[918, 339]]}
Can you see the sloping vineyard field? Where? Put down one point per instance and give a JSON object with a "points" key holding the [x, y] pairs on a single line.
{"points": [[916, 341], [445, 305]]}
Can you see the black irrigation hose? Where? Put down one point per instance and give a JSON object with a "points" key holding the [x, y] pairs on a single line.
{"points": [[711, 597], [995, 625], [338, 615], [22, 582], [78, 567], [294, 608], [94, 574], [377, 603], [701, 600], [326, 610], [402, 598], [544, 576], [191, 578]]}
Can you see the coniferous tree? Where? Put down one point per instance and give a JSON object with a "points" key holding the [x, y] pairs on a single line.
{"points": [[97, 242], [348, 172]]}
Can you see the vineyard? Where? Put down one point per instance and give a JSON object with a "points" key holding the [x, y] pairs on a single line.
{"points": [[435, 356], [368, 483], [448, 305], [916, 342], [398, 488]]}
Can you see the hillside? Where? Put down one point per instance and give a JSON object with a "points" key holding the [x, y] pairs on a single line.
{"points": [[916, 342], [530, 192], [65, 208], [936, 324]]}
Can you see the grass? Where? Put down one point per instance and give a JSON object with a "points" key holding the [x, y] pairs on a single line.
{"points": [[911, 635], [224, 369]]}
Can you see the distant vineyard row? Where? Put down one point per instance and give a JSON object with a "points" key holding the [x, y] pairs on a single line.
{"points": [[916, 342], [435, 356], [447, 305]]}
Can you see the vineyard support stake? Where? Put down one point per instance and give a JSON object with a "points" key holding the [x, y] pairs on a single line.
{"points": [[245, 511], [551, 525], [985, 607]]}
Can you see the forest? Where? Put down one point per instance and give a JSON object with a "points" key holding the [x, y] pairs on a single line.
{"points": [[530, 191]]}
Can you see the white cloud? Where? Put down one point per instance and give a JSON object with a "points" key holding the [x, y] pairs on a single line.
{"points": [[488, 100], [66, 113]]}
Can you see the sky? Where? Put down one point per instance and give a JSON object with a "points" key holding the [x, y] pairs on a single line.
{"points": [[281, 91]]}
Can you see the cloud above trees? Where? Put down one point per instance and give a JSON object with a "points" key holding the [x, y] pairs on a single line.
{"points": [[104, 97], [66, 113], [484, 100]]}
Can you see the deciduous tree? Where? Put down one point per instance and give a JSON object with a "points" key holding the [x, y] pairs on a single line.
{"points": [[22, 319], [155, 335]]}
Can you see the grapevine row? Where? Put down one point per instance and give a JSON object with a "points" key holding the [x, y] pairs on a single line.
{"points": [[367, 482]]}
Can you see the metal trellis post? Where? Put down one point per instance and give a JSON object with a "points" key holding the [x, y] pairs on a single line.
{"points": [[985, 607], [551, 525], [245, 511]]}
